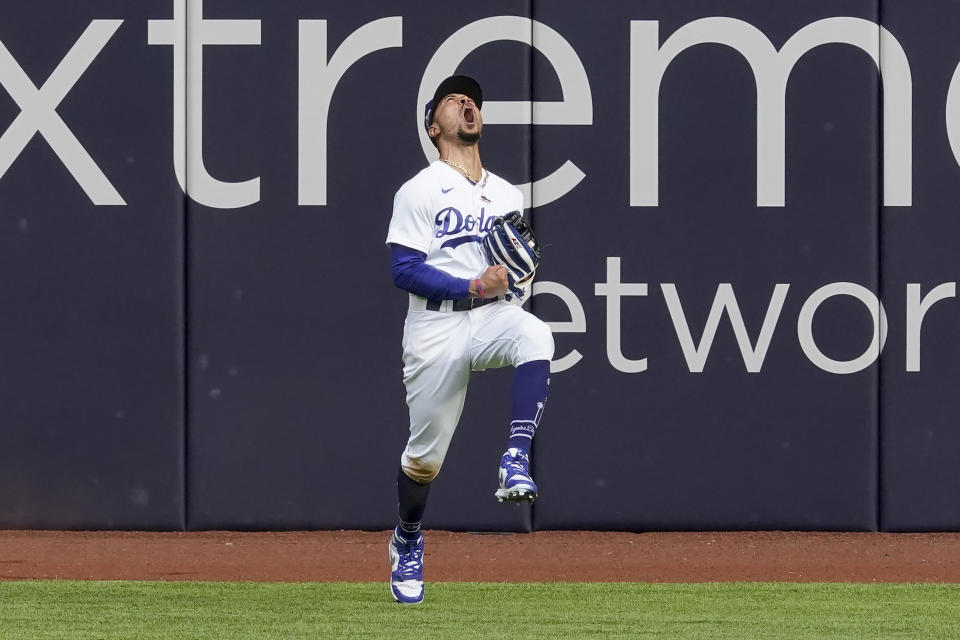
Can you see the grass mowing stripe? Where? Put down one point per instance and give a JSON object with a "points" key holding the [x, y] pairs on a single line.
{"points": [[213, 610]]}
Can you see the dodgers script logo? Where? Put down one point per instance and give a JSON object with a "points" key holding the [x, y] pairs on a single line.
{"points": [[451, 222]]}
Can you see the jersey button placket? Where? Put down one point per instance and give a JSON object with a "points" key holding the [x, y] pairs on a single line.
{"points": [[475, 194]]}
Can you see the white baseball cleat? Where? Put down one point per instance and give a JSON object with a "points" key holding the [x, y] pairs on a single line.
{"points": [[406, 569], [515, 481]]}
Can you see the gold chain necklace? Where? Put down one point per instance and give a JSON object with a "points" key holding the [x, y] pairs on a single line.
{"points": [[462, 168]]}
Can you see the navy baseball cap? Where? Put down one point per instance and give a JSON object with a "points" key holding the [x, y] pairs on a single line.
{"points": [[454, 84]]}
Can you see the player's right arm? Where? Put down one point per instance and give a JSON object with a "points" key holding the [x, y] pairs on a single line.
{"points": [[409, 237], [412, 273]]}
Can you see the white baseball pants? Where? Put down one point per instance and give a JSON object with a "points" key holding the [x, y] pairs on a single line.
{"points": [[440, 348]]}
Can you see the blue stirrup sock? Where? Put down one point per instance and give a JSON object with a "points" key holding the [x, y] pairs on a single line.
{"points": [[531, 381]]}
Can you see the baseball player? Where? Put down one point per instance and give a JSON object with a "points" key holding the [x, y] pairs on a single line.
{"points": [[464, 314]]}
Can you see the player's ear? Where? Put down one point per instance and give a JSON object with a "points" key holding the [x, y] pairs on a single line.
{"points": [[434, 133]]}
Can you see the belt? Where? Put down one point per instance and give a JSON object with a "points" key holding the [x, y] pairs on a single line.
{"points": [[464, 304]]}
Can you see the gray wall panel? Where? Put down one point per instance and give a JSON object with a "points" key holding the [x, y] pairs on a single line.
{"points": [[790, 446], [275, 400], [919, 432], [91, 330], [297, 415]]}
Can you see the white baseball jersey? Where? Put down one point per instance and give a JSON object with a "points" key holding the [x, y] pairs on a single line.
{"points": [[440, 213]]}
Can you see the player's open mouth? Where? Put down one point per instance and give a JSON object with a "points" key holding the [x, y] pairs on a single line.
{"points": [[468, 115]]}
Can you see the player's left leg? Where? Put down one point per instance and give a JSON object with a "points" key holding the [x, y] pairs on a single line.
{"points": [[509, 336], [531, 382]]}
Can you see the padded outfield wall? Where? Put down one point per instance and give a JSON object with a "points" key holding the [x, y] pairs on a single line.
{"points": [[750, 216]]}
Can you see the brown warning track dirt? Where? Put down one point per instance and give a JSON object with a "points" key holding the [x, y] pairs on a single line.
{"points": [[576, 556]]}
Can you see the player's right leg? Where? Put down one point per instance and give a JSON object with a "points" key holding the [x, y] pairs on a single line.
{"points": [[436, 372], [436, 357]]}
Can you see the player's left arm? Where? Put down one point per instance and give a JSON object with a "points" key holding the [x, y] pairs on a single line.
{"points": [[512, 243]]}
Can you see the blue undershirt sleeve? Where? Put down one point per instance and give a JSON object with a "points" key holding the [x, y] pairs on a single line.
{"points": [[412, 273]]}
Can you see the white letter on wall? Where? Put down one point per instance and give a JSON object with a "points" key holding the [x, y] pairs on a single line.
{"points": [[576, 107], [188, 99], [576, 324], [613, 289], [318, 79], [725, 299], [805, 327], [38, 111], [916, 309], [771, 70]]}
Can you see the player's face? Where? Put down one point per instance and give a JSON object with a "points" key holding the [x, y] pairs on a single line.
{"points": [[457, 115]]}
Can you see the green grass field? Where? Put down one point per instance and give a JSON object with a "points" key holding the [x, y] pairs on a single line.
{"points": [[66, 609]]}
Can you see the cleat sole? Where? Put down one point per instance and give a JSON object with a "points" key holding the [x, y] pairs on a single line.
{"points": [[516, 495]]}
